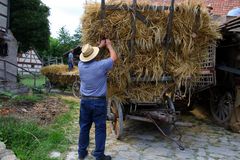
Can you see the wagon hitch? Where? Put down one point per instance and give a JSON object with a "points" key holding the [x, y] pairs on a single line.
{"points": [[178, 142]]}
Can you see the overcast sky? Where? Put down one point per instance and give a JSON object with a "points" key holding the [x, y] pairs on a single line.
{"points": [[65, 13]]}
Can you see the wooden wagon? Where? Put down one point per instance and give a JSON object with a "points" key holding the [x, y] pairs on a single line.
{"points": [[161, 110], [63, 81]]}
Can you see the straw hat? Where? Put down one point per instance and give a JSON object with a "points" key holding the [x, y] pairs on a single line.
{"points": [[210, 6], [88, 53]]}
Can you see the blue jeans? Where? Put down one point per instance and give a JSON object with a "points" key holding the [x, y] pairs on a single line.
{"points": [[70, 66], [92, 110]]}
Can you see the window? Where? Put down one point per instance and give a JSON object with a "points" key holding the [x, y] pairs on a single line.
{"points": [[3, 49]]}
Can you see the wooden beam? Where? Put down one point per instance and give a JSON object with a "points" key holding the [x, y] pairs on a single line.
{"points": [[143, 19], [128, 8], [29, 63], [230, 22], [103, 16], [3, 4], [103, 7], [133, 28]]}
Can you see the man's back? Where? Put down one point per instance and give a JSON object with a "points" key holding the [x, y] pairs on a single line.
{"points": [[70, 57], [93, 77]]}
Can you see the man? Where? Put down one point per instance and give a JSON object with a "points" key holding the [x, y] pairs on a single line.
{"points": [[70, 60], [209, 9], [93, 75]]}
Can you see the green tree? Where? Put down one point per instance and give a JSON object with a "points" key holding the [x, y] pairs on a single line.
{"points": [[29, 24], [63, 43], [66, 40], [77, 36]]}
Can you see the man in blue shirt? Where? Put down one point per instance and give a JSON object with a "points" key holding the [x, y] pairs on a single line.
{"points": [[93, 75], [70, 60], [234, 12]]}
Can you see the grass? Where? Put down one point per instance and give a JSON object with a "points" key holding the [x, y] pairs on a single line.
{"points": [[28, 80], [29, 140], [12, 98], [29, 98]]}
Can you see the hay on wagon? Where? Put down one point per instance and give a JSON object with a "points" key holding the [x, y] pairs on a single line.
{"points": [[192, 34], [59, 74]]}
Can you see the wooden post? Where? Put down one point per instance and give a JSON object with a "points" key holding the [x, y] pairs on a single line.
{"points": [[48, 60], [102, 16], [62, 60], [133, 26], [34, 76]]}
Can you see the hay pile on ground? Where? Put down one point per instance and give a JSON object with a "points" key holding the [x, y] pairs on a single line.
{"points": [[60, 74], [191, 35]]}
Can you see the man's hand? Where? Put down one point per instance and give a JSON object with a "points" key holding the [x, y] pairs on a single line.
{"points": [[102, 43], [108, 43], [112, 52]]}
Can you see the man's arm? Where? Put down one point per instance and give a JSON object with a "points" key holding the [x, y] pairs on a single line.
{"points": [[112, 52]]}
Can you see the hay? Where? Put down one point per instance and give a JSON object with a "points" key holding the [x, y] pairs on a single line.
{"points": [[59, 74], [191, 35]]}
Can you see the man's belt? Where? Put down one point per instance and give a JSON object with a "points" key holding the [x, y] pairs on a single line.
{"points": [[93, 97]]}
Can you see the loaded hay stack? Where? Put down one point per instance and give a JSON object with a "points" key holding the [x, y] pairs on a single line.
{"points": [[192, 34], [60, 74]]}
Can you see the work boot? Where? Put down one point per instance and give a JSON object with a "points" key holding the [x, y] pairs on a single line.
{"points": [[82, 158], [106, 157]]}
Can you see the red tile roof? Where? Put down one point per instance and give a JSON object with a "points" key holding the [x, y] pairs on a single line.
{"points": [[220, 7]]}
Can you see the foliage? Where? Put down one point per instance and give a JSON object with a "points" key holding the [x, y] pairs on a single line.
{"points": [[28, 81], [31, 141], [63, 43], [29, 98], [8, 95], [29, 24]]}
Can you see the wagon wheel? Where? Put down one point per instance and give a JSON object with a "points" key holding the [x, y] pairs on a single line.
{"points": [[76, 89], [117, 122], [221, 105], [48, 86]]}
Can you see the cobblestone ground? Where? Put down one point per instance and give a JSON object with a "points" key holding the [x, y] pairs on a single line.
{"points": [[142, 141]]}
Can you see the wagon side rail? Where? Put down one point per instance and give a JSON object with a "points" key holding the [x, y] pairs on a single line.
{"points": [[207, 76]]}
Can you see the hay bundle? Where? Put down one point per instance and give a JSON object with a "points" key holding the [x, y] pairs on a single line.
{"points": [[59, 74], [192, 35]]}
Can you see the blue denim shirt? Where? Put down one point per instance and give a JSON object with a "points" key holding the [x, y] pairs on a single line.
{"points": [[93, 76]]}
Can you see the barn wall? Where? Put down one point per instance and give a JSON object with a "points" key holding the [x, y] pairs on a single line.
{"points": [[12, 57], [30, 62]]}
